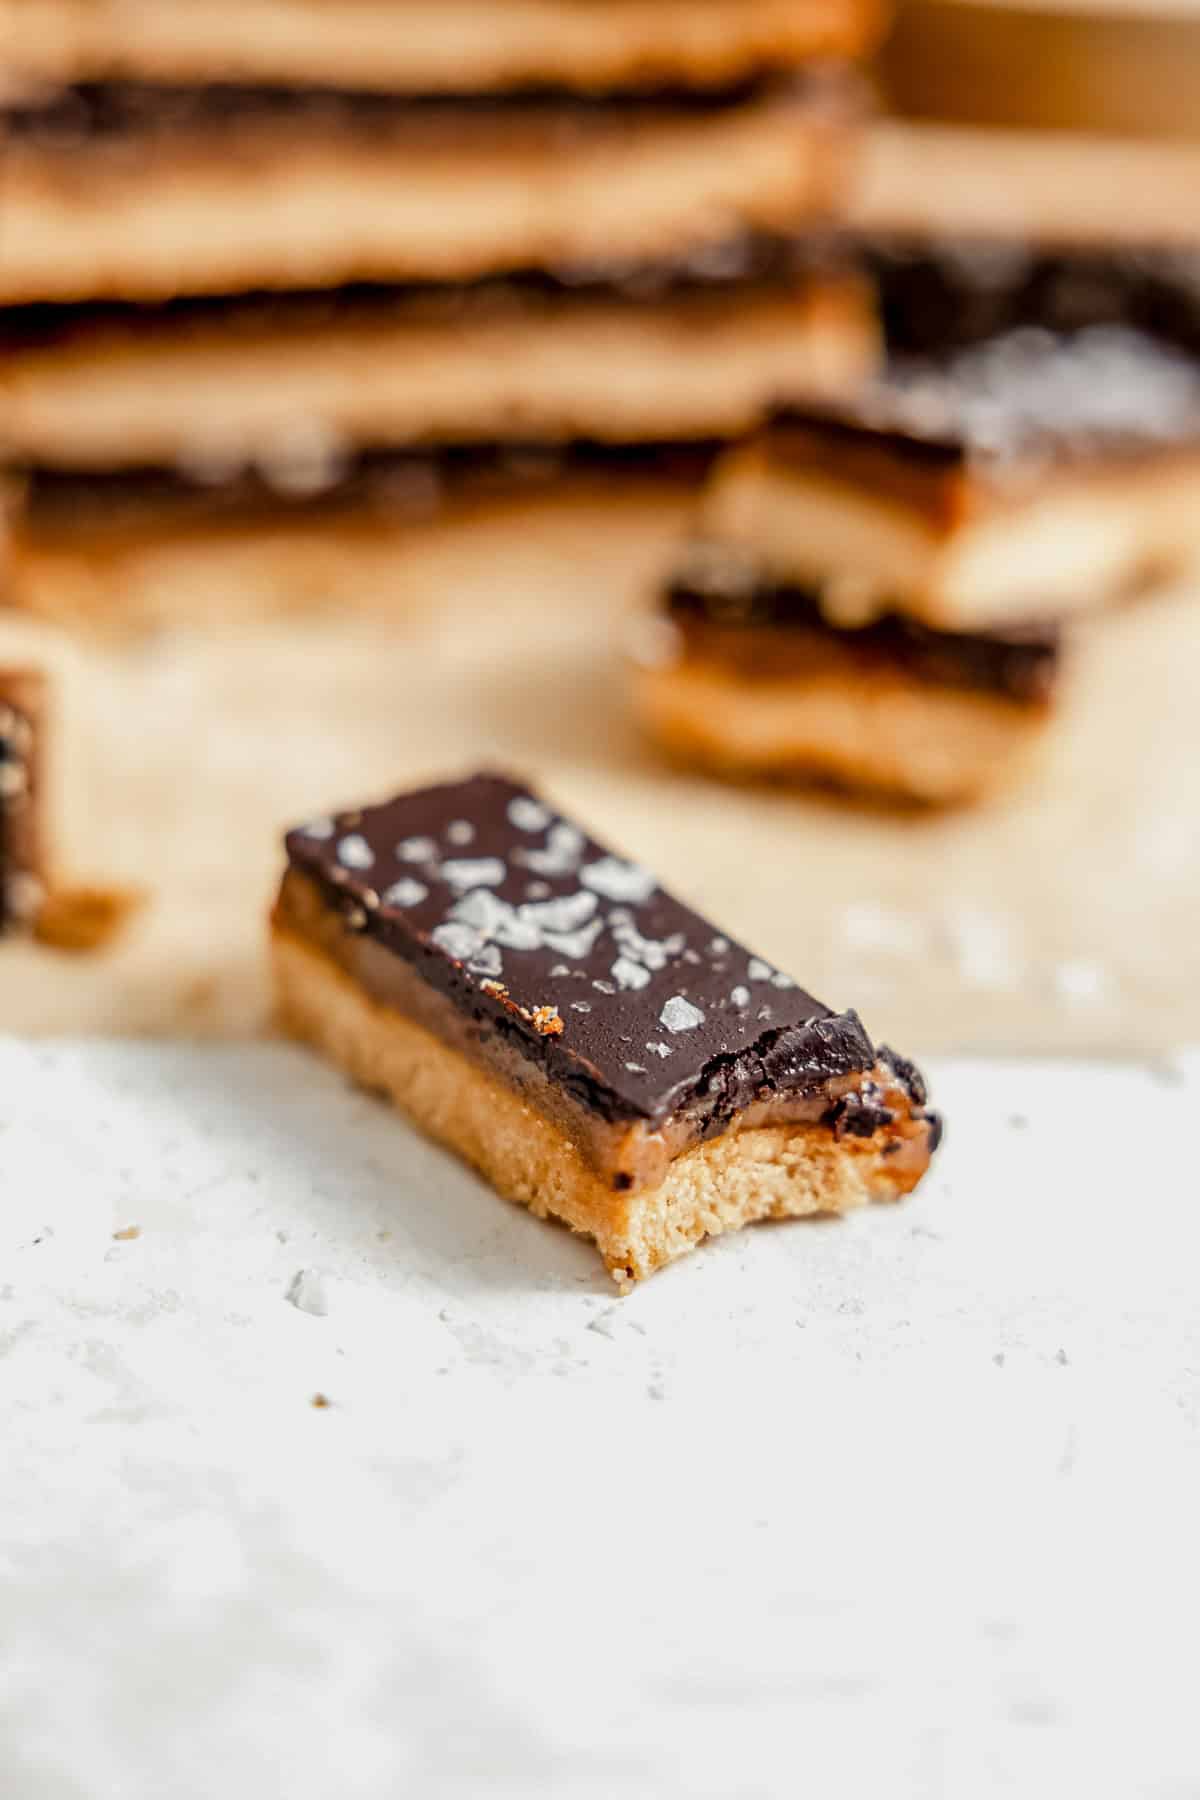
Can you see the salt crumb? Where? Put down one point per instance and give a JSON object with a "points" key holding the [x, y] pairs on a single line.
{"points": [[618, 880], [405, 892], [354, 852], [416, 849], [680, 1015], [868, 927], [527, 814], [1079, 981], [474, 872], [306, 1292]]}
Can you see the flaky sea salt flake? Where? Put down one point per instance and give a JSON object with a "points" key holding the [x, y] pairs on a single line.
{"points": [[680, 1015]]}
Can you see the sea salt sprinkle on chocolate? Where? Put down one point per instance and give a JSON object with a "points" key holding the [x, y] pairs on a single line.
{"points": [[680, 1015], [354, 852], [527, 814], [618, 880], [663, 990], [473, 872], [405, 892]]}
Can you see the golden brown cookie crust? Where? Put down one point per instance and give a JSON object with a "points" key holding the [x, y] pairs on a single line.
{"points": [[271, 206], [884, 734]]}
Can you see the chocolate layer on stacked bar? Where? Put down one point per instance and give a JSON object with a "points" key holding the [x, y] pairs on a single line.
{"points": [[594, 1047], [876, 595], [525, 233]]}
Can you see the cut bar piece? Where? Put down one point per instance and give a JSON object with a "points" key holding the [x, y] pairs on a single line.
{"points": [[1116, 66], [591, 1045], [1029, 477], [147, 193], [747, 679], [428, 46], [657, 351], [22, 870]]}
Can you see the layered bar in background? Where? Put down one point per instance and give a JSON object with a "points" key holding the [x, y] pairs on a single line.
{"points": [[600, 1053], [1026, 476], [875, 596], [750, 679], [432, 46]]}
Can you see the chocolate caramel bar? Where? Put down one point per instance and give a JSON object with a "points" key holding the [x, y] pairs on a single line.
{"points": [[429, 46], [140, 192], [22, 870], [659, 350], [1028, 477], [749, 679], [597, 1050]]}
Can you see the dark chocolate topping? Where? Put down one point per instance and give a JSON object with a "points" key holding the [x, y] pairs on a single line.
{"points": [[102, 115], [1014, 404], [940, 294], [620, 992], [728, 599], [389, 483]]}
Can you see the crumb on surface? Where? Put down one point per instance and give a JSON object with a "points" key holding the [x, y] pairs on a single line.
{"points": [[546, 1020], [127, 1234], [321, 1401], [87, 918]]}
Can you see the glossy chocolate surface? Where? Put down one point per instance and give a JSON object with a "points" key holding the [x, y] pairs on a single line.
{"points": [[634, 1004]]}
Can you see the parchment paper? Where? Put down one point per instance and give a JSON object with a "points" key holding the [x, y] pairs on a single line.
{"points": [[1063, 917]]}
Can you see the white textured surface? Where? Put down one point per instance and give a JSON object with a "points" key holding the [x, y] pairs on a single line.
{"points": [[905, 1506]]}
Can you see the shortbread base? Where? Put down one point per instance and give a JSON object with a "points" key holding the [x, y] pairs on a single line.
{"points": [[775, 1172], [885, 734]]}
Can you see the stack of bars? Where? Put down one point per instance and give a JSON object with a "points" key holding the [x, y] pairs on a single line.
{"points": [[878, 596], [884, 594], [284, 279]]}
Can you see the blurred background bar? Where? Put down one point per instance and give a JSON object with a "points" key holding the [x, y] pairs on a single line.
{"points": [[1126, 67]]}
